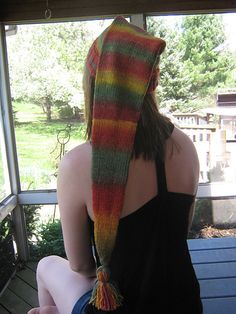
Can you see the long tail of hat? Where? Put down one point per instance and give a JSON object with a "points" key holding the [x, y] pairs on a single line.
{"points": [[123, 59]]}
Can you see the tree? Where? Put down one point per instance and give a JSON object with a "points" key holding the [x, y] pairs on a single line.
{"points": [[196, 61], [174, 89], [206, 57], [46, 63]]}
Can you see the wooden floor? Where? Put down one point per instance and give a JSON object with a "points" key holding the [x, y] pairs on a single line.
{"points": [[214, 261], [21, 294]]}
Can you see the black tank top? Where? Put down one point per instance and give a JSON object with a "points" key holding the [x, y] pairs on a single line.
{"points": [[151, 262]]}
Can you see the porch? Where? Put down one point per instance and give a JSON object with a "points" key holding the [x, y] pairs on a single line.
{"points": [[214, 261]]}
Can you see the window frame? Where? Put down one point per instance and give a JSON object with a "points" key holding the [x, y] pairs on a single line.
{"points": [[48, 196], [17, 197]]}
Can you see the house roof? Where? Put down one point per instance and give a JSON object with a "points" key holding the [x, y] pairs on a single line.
{"points": [[221, 111]]}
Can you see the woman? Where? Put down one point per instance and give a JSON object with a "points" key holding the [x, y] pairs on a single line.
{"points": [[129, 191]]}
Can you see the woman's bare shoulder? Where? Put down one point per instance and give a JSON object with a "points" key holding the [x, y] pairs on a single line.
{"points": [[75, 169], [78, 157], [180, 147], [74, 174], [182, 165]]}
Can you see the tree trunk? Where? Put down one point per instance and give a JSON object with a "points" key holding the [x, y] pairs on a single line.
{"points": [[48, 106]]}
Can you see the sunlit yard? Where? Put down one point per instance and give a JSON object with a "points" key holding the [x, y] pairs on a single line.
{"points": [[47, 84], [37, 144]]}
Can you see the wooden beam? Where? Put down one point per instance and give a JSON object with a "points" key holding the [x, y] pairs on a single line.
{"points": [[34, 10]]}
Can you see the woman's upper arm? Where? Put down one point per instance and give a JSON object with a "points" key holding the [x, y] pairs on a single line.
{"points": [[183, 168], [74, 217], [182, 165]]}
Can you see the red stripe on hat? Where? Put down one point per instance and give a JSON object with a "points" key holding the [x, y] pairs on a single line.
{"points": [[108, 139], [110, 110], [113, 194], [140, 69], [145, 42]]}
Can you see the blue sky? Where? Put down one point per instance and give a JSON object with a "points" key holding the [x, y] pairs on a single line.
{"points": [[230, 27]]}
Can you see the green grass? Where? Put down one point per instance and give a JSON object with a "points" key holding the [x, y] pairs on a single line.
{"points": [[27, 112], [38, 149]]}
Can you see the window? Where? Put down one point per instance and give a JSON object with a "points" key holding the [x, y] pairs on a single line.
{"points": [[46, 66], [44, 231], [196, 86], [214, 218]]}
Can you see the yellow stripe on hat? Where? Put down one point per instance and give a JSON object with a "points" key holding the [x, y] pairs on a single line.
{"points": [[118, 79], [128, 125]]}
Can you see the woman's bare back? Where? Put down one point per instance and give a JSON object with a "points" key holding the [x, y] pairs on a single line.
{"points": [[181, 165]]}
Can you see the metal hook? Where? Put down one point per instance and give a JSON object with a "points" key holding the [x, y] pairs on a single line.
{"points": [[48, 12]]}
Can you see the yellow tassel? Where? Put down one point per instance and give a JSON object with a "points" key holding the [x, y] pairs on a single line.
{"points": [[106, 295]]}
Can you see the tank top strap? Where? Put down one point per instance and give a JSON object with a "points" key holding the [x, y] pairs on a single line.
{"points": [[161, 172], [161, 178]]}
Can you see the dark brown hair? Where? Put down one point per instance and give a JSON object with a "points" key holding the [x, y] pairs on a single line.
{"points": [[152, 129]]}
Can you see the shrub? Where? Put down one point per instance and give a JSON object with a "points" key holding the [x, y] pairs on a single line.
{"points": [[66, 112], [203, 214], [49, 240], [7, 253], [32, 216]]}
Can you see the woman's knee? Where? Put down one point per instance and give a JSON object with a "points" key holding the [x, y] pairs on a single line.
{"points": [[34, 311], [49, 310], [45, 265]]}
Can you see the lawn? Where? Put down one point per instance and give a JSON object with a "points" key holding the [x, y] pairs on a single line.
{"points": [[38, 149], [25, 112]]}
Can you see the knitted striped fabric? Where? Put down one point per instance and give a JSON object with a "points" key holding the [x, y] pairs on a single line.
{"points": [[123, 60]]}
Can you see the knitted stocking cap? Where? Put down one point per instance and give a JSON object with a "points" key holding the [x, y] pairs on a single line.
{"points": [[123, 60]]}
